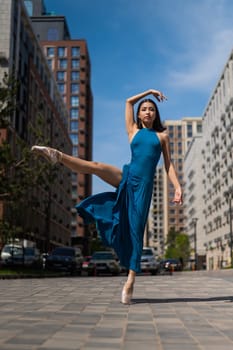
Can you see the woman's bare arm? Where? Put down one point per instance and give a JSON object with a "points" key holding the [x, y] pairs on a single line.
{"points": [[129, 111], [170, 168]]}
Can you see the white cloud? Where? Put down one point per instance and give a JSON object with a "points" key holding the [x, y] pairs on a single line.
{"points": [[206, 66]]}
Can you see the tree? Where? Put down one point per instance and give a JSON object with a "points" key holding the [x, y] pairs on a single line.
{"points": [[178, 245], [8, 90], [19, 174]]}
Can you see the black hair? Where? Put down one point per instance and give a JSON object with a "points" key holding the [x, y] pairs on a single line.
{"points": [[157, 124]]}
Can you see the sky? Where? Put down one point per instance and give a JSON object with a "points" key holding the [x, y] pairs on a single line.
{"points": [[179, 47]]}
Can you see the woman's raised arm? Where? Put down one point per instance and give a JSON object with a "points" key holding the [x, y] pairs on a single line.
{"points": [[129, 111]]}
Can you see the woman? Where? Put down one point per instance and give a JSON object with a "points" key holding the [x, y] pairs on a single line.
{"points": [[121, 216]]}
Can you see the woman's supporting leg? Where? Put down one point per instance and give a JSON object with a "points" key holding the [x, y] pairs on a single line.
{"points": [[127, 291], [107, 173]]}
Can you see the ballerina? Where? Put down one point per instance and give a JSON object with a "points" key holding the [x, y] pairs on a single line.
{"points": [[121, 216]]}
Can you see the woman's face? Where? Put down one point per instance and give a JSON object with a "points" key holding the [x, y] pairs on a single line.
{"points": [[147, 114]]}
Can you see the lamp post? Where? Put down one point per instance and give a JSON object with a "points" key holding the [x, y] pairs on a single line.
{"points": [[194, 222], [228, 195]]}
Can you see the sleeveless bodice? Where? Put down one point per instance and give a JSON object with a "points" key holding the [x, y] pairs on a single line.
{"points": [[145, 149]]}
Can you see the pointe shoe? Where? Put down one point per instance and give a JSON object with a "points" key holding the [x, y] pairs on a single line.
{"points": [[51, 154], [126, 296]]}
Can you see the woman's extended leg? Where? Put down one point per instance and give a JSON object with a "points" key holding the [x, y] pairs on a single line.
{"points": [[107, 173]]}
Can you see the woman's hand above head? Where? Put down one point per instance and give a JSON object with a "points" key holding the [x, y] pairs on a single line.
{"points": [[158, 95], [178, 197]]}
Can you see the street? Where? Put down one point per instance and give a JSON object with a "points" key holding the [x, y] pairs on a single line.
{"points": [[188, 310]]}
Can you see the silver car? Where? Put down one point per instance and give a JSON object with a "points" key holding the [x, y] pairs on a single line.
{"points": [[149, 262], [105, 262], [18, 255], [12, 254]]}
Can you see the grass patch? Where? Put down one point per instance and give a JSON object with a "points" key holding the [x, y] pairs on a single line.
{"points": [[25, 271]]}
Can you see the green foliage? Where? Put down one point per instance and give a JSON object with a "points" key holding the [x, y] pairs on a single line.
{"points": [[19, 173], [178, 245], [8, 89]]}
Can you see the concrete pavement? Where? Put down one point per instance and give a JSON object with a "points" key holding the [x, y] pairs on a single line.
{"points": [[186, 311]]}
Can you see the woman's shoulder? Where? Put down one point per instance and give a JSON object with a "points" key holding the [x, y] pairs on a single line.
{"points": [[163, 136]]}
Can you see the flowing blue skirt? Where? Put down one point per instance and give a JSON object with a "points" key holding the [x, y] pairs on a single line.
{"points": [[120, 218]]}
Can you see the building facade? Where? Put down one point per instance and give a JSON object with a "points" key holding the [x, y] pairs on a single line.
{"points": [[181, 133], [217, 169], [70, 63], [216, 158], [193, 202], [156, 226], [39, 103]]}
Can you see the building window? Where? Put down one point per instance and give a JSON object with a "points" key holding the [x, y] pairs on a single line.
{"points": [[63, 63], [75, 64], [73, 126], [60, 76], [29, 7], [74, 139], [52, 34], [61, 51], [74, 113], [61, 88], [199, 128], [50, 51], [189, 130], [74, 101], [75, 51], [75, 152], [74, 88], [74, 177], [50, 63], [74, 76]]}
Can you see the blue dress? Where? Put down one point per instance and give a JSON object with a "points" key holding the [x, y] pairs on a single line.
{"points": [[121, 216]]}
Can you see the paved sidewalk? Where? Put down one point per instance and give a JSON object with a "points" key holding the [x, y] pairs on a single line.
{"points": [[189, 310]]}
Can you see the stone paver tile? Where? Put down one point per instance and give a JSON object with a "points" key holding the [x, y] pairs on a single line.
{"points": [[106, 332], [148, 345], [61, 344]]}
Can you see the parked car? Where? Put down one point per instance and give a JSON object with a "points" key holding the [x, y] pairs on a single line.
{"points": [[12, 254], [88, 266], [169, 265], [149, 262], [105, 262], [65, 259], [32, 257]]}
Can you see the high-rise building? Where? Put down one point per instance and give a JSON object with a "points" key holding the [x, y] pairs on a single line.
{"points": [[38, 98], [156, 226], [193, 202], [214, 194], [166, 215], [70, 63], [180, 134]]}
